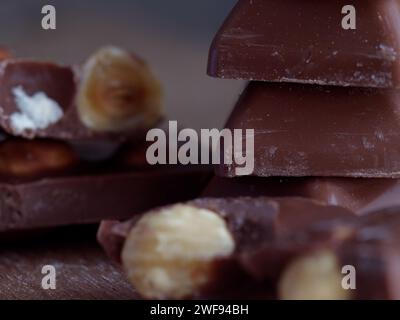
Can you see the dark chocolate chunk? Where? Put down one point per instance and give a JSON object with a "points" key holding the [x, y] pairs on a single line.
{"points": [[305, 130], [304, 41]]}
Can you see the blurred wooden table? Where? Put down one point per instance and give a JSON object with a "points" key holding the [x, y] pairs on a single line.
{"points": [[82, 269]]}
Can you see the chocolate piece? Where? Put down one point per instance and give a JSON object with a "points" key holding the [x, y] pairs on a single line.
{"points": [[358, 195], [370, 244], [56, 82], [287, 248], [377, 270], [251, 222], [248, 218], [294, 41], [88, 199], [26, 85], [305, 130]]}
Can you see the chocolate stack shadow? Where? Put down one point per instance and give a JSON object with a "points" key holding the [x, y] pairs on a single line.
{"points": [[323, 101]]}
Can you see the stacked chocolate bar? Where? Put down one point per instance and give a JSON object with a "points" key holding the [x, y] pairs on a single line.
{"points": [[72, 142], [324, 105]]}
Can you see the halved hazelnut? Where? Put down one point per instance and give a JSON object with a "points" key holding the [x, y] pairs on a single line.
{"points": [[23, 158], [316, 276], [118, 92], [169, 253]]}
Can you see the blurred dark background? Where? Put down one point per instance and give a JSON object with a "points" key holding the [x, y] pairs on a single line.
{"points": [[172, 35]]}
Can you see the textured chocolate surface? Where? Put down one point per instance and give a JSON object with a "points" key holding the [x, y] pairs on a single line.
{"points": [[303, 130], [356, 194], [293, 41], [60, 84]]}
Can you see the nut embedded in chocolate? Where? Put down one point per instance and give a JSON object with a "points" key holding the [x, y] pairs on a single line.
{"points": [[27, 158], [118, 92], [169, 253], [287, 248], [315, 276]]}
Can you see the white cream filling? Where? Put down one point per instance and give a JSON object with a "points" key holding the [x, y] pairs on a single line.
{"points": [[36, 112]]}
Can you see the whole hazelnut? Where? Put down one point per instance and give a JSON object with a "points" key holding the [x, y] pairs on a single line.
{"points": [[169, 253]]}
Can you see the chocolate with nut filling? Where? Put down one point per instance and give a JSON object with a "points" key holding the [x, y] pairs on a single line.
{"points": [[358, 195], [304, 41], [172, 239], [302, 130], [87, 103], [370, 246], [285, 248]]}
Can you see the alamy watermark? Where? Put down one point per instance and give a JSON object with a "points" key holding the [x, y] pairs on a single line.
{"points": [[49, 279], [349, 279], [211, 146], [49, 18], [349, 21]]}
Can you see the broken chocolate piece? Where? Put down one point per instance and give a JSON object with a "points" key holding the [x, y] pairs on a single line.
{"points": [[287, 248], [293, 41], [185, 250], [39, 99], [358, 195], [368, 245], [82, 199], [305, 130], [34, 96]]}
